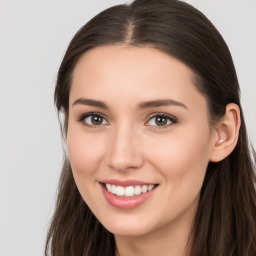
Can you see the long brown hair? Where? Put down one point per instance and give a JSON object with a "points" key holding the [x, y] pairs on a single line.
{"points": [[225, 222]]}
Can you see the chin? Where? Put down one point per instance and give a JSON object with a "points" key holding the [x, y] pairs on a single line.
{"points": [[128, 231], [128, 227]]}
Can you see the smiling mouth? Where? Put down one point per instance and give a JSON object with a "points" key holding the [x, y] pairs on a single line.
{"points": [[128, 191]]}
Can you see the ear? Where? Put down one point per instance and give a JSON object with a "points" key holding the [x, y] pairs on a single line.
{"points": [[226, 133]]}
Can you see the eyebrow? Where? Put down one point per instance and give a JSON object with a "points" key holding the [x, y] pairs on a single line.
{"points": [[142, 105], [90, 102], [159, 103]]}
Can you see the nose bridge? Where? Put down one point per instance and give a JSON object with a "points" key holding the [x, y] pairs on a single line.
{"points": [[124, 151]]}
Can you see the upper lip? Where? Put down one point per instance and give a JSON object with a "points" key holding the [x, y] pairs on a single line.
{"points": [[125, 183]]}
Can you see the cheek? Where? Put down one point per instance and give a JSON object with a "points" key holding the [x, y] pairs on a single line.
{"points": [[85, 152], [182, 161], [183, 157]]}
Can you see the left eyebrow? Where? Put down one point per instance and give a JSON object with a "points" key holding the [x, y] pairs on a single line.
{"points": [[159, 103]]}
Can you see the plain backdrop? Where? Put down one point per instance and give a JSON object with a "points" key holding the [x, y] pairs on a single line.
{"points": [[33, 38]]}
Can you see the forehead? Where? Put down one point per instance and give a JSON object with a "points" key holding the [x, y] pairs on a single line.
{"points": [[133, 73], [136, 62]]}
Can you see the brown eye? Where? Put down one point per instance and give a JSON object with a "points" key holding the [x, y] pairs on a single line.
{"points": [[94, 120], [161, 120]]}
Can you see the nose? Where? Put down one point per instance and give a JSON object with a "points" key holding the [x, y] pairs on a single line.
{"points": [[124, 150]]}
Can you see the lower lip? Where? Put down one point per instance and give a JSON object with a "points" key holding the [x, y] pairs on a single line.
{"points": [[126, 202]]}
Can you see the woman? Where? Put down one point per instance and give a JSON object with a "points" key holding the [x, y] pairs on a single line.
{"points": [[158, 159]]}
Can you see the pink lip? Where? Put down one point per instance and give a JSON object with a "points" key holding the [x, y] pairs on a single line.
{"points": [[125, 183], [126, 203]]}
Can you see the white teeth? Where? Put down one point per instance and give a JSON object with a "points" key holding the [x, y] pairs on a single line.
{"points": [[109, 187], [128, 191], [113, 189], [137, 190], [144, 189], [150, 187], [119, 191]]}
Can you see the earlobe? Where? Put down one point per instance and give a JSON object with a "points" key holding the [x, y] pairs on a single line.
{"points": [[226, 133]]}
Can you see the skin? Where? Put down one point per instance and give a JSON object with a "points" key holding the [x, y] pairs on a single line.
{"points": [[130, 145]]}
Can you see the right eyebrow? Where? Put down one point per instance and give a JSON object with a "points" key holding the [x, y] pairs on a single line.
{"points": [[90, 102]]}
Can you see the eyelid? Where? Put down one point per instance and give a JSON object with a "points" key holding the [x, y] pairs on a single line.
{"points": [[173, 120], [85, 115]]}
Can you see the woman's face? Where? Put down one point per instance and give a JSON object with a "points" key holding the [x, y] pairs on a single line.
{"points": [[138, 126]]}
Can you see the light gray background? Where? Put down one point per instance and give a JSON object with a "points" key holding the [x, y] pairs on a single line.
{"points": [[33, 38]]}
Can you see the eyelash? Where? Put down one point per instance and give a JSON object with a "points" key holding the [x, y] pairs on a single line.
{"points": [[84, 116], [172, 120]]}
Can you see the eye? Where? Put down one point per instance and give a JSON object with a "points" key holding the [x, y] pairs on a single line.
{"points": [[160, 120], [93, 119]]}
